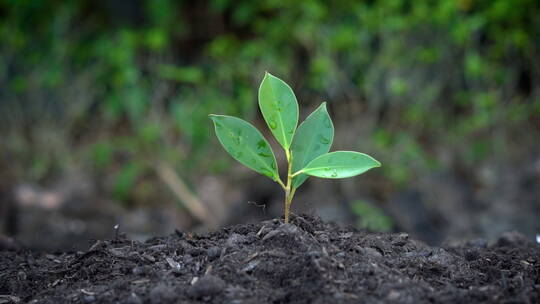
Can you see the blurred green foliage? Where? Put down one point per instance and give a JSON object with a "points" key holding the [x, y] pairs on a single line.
{"points": [[117, 85], [371, 217]]}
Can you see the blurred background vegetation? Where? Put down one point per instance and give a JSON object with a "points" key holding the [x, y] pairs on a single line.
{"points": [[104, 104]]}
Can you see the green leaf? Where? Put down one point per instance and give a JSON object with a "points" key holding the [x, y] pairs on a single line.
{"points": [[246, 144], [279, 108], [340, 164], [313, 138]]}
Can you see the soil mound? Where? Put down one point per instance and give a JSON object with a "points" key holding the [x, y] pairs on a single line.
{"points": [[306, 261]]}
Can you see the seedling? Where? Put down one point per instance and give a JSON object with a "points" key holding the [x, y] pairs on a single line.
{"points": [[306, 147]]}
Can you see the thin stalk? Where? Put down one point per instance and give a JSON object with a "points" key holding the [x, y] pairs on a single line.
{"points": [[288, 201], [281, 183], [289, 191]]}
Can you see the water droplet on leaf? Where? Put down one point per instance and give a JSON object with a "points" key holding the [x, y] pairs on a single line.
{"points": [[261, 144], [272, 123], [263, 154], [278, 105], [323, 139]]}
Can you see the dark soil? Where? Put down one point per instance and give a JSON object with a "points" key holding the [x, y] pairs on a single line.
{"points": [[308, 261]]}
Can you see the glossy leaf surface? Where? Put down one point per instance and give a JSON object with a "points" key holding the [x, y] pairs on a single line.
{"points": [[340, 164], [246, 144], [279, 108], [313, 138]]}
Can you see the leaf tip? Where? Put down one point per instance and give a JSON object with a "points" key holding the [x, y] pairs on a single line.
{"points": [[268, 75], [214, 117]]}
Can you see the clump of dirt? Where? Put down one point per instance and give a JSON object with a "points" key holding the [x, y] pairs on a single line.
{"points": [[306, 261]]}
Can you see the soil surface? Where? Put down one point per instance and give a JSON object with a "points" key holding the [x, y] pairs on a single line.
{"points": [[307, 261]]}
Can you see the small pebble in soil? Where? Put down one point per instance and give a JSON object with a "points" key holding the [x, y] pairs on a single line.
{"points": [[251, 265], [208, 285], [175, 266]]}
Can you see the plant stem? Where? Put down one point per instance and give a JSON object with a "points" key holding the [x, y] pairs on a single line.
{"points": [[289, 191], [288, 201], [281, 183]]}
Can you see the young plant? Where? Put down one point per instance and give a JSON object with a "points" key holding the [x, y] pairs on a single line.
{"points": [[306, 147]]}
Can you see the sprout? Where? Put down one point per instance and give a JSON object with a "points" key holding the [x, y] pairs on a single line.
{"points": [[306, 146]]}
